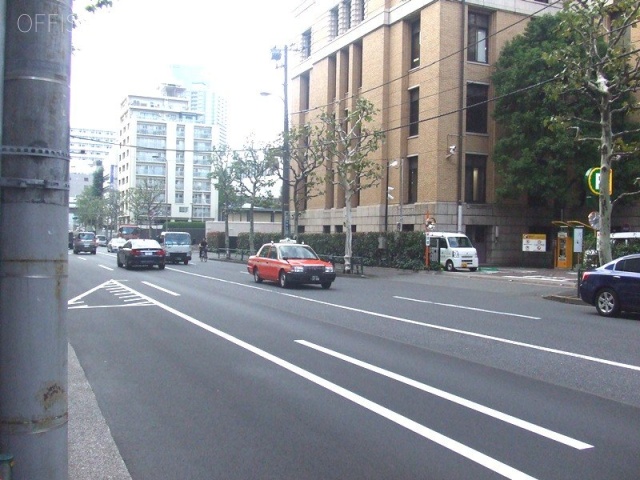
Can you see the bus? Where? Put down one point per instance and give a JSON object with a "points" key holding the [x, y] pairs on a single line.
{"points": [[129, 231]]}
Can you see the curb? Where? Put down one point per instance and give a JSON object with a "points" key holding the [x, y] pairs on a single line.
{"points": [[565, 299]]}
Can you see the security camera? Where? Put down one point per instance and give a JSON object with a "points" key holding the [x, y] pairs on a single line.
{"points": [[452, 149]]}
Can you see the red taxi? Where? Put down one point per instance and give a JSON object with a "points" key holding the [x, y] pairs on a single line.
{"points": [[290, 263]]}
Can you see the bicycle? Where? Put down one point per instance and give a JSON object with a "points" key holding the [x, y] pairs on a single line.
{"points": [[203, 254]]}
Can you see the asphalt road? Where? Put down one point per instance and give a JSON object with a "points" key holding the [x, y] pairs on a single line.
{"points": [[200, 373]]}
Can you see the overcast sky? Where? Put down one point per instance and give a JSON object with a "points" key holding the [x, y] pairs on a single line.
{"points": [[128, 48]]}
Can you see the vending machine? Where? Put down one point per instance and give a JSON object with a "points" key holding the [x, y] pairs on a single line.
{"points": [[564, 249]]}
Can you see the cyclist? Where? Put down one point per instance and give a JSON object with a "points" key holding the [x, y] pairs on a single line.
{"points": [[203, 250]]}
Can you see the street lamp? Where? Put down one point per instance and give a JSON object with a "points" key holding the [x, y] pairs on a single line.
{"points": [[276, 55]]}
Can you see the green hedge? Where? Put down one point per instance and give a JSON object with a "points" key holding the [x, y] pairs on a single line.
{"points": [[403, 250]]}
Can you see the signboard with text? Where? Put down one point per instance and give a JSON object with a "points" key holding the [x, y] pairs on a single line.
{"points": [[534, 242]]}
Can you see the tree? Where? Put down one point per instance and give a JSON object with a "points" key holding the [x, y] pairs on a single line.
{"points": [[97, 187], [305, 158], [90, 210], [347, 144], [533, 159], [224, 183], [601, 63], [253, 174], [147, 201], [96, 4], [113, 201]]}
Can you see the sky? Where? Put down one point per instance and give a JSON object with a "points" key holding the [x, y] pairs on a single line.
{"points": [[128, 48]]}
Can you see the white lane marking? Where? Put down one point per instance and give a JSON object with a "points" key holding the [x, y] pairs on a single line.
{"points": [[451, 305], [442, 440], [427, 325], [550, 434], [106, 268], [114, 287], [162, 289]]}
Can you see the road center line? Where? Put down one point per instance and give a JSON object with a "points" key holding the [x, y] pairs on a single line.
{"points": [[442, 440], [427, 325], [558, 437], [451, 305]]}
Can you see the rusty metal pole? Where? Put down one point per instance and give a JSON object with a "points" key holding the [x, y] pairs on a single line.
{"points": [[34, 198]]}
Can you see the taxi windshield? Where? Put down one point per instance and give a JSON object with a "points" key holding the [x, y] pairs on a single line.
{"points": [[296, 251]]}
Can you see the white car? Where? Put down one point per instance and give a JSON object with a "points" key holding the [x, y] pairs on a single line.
{"points": [[115, 244], [102, 240]]}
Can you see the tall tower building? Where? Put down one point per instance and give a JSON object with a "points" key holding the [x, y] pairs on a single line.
{"points": [[202, 96]]}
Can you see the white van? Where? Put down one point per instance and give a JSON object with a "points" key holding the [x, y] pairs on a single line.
{"points": [[451, 250], [177, 246], [628, 238]]}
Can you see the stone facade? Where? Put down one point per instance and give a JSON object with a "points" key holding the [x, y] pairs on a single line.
{"points": [[444, 170]]}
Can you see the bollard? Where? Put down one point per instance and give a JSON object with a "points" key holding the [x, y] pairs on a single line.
{"points": [[6, 465]]}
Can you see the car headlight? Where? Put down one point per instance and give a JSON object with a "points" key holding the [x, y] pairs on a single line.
{"points": [[328, 269], [297, 269]]}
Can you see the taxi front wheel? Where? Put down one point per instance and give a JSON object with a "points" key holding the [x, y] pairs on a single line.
{"points": [[256, 276], [283, 279]]}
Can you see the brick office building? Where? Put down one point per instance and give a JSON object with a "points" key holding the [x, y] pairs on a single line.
{"points": [[421, 63]]}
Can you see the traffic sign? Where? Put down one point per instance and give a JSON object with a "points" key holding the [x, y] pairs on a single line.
{"points": [[534, 242], [592, 178]]}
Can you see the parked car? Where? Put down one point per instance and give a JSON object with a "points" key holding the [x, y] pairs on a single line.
{"points": [[85, 242], [141, 253], [115, 243], [613, 287], [290, 263], [102, 240]]}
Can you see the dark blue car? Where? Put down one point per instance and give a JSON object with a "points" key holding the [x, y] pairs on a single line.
{"points": [[614, 287]]}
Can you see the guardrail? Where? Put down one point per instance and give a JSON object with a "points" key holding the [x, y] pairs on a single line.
{"points": [[357, 263], [238, 254], [231, 253]]}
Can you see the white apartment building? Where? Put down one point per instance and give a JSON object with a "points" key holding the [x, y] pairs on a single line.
{"points": [[90, 148], [167, 145]]}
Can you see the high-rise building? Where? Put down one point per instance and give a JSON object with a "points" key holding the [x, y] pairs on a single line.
{"points": [[167, 147], [91, 148], [202, 95], [427, 67]]}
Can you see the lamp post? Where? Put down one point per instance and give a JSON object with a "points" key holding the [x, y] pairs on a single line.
{"points": [[276, 55]]}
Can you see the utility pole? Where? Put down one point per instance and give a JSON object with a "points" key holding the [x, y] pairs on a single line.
{"points": [[34, 199], [277, 54]]}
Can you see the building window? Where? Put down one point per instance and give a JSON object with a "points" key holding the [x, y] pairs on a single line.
{"points": [[478, 35], [326, 229], [475, 179], [412, 190], [345, 16], [477, 108], [304, 91], [333, 23], [415, 43], [414, 111], [305, 48], [359, 11], [357, 64], [339, 228]]}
